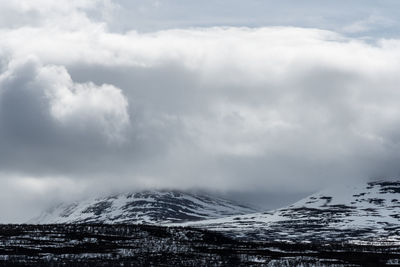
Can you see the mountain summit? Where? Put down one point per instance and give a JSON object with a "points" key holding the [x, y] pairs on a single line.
{"points": [[148, 207]]}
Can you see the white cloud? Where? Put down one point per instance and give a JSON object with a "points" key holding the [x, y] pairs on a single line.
{"points": [[222, 107], [83, 106], [65, 14], [291, 93], [367, 24]]}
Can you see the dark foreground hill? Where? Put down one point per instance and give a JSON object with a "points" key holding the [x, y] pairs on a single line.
{"points": [[141, 245]]}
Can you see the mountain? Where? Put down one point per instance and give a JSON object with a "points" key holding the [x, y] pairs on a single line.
{"points": [[149, 207], [363, 212]]}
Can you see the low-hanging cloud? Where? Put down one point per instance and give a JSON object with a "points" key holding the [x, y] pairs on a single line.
{"points": [[221, 108]]}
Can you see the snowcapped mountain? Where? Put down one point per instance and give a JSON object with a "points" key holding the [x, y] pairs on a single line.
{"points": [[368, 212], [363, 212], [149, 207]]}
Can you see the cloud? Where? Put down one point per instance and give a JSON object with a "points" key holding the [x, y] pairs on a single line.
{"points": [[49, 92], [62, 14], [368, 24], [214, 97], [50, 125], [225, 108]]}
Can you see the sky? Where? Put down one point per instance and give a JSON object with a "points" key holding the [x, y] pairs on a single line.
{"points": [[242, 98]]}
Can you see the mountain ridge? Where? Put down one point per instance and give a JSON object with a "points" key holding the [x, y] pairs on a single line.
{"points": [[363, 212]]}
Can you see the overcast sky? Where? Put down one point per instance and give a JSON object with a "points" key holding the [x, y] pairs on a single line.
{"points": [[282, 97]]}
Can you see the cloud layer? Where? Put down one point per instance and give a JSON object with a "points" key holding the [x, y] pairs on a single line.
{"points": [[225, 108]]}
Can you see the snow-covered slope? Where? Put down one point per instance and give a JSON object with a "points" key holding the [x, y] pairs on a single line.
{"points": [[150, 207], [368, 211]]}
